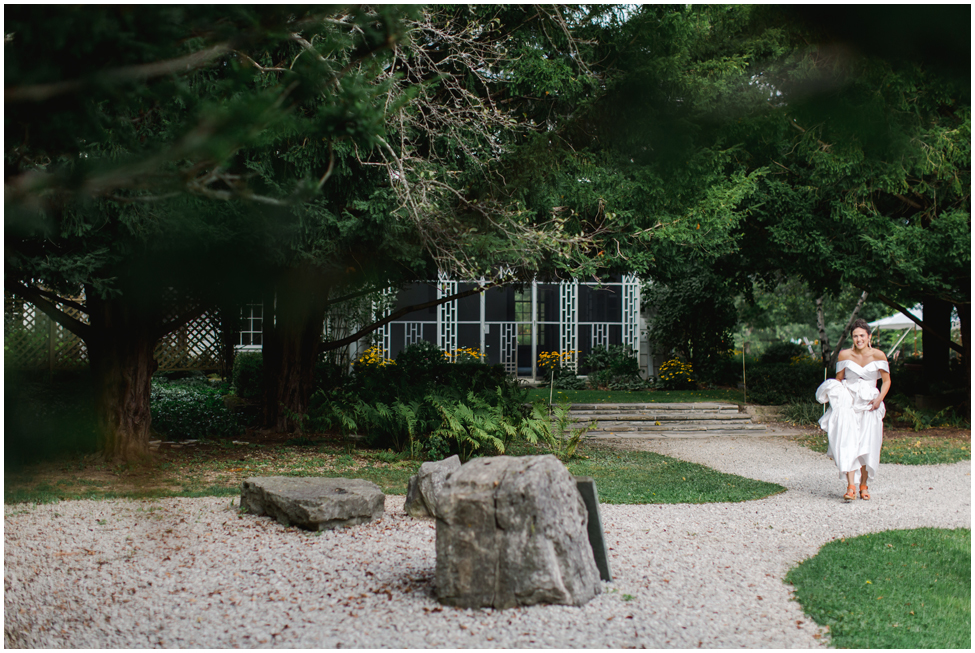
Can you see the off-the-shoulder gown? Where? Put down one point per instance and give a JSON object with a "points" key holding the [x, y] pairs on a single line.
{"points": [[855, 432]]}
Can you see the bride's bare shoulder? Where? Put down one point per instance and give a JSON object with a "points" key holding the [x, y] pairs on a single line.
{"points": [[844, 355], [878, 355]]}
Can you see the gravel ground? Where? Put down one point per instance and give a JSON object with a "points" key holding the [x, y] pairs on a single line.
{"points": [[195, 573]]}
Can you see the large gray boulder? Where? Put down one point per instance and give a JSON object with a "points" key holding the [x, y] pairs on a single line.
{"points": [[425, 487], [315, 504], [512, 531]]}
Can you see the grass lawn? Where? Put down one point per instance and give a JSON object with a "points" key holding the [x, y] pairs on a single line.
{"points": [[908, 448], [895, 589], [217, 469], [638, 396]]}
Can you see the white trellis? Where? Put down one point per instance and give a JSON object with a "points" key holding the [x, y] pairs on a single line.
{"points": [[447, 315], [631, 313], [414, 333], [600, 334], [569, 321], [509, 347], [384, 334]]}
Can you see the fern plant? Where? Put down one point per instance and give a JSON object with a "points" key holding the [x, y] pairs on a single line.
{"points": [[475, 425], [558, 428]]}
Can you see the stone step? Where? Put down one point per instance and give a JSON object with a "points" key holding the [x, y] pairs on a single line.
{"points": [[684, 420], [660, 407], [661, 417], [662, 425], [669, 427], [600, 435]]}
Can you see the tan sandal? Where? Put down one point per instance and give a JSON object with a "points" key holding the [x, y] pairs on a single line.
{"points": [[864, 494], [851, 493]]}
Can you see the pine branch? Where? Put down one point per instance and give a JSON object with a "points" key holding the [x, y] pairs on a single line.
{"points": [[41, 92]]}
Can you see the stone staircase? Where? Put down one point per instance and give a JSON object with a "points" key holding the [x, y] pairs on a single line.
{"points": [[699, 420]]}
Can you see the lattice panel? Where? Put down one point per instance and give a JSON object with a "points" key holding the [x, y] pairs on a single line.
{"points": [[509, 347], [384, 334], [631, 313], [447, 315], [569, 321], [414, 333], [192, 347], [32, 340], [600, 334]]}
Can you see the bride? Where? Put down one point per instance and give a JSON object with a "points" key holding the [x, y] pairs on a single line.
{"points": [[854, 421]]}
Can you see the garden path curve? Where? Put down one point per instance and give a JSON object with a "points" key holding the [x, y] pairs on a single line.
{"points": [[195, 573]]}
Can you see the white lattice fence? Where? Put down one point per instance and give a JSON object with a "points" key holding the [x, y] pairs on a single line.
{"points": [[34, 341]]}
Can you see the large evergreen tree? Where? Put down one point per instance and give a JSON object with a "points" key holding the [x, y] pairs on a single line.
{"points": [[213, 151]]}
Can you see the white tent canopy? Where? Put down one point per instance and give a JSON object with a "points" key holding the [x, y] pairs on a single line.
{"points": [[900, 321]]}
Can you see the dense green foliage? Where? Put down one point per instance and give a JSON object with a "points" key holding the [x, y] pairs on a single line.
{"points": [[191, 410], [605, 368], [429, 406], [615, 367], [248, 375], [168, 158], [692, 314], [774, 383], [904, 589]]}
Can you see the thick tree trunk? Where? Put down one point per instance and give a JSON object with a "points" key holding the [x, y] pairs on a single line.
{"points": [[120, 351], [937, 319], [291, 345]]}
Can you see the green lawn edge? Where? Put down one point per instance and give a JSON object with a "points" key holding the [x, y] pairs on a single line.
{"points": [[893, 589], [622, 477]]}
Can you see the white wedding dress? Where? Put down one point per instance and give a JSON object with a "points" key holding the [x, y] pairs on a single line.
{"points": [[855, 432]]}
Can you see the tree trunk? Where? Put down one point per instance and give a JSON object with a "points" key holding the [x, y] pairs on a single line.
{"points": [[937, 319], [964, 315], [120, 351], [293, 335], [823, 338], [846, 330]]}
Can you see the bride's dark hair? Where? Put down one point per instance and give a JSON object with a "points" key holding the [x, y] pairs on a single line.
{"points": [[860, 323]]}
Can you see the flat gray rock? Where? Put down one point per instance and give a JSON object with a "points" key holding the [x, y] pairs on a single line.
{"points": [[315, 504], [513, 531]]}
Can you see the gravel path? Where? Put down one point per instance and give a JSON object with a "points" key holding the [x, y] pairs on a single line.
{"points": [[195, 573]]}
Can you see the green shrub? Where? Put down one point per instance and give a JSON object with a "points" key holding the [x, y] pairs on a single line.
{"points": [[424, 404], [783, 352], [802, 413], [723, 369], [570, 381], [190, 412], [613, 368], [774, 384], [249, 375], [675, 374], [422, 362]]}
